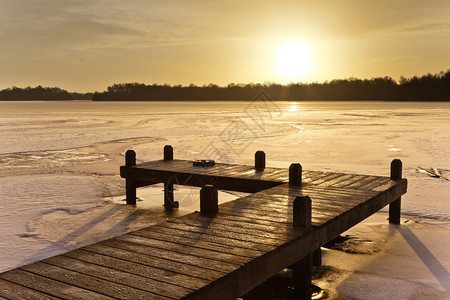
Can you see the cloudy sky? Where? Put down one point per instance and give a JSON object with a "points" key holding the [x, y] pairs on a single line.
{"points": [[87, 45]]}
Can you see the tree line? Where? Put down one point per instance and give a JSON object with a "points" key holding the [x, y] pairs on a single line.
{"points": [[430, 87], [41, 93]]}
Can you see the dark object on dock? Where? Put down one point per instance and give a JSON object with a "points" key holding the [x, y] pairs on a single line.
{"points": [[224, 251], [204, 163]]}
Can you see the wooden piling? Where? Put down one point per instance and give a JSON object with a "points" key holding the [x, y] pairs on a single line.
{"points": [[302, 270], [209, 203], [168, 152], [295, 174], [317, 257], [395, 206], [302, 277], [169, 201], [260, 160], [130, 185]]}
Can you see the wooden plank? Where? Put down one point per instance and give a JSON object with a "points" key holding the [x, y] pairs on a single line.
{"points": [[367, 180], [239, 227], [197, 240], [285, 189], [390, 184], [146, 271], [55, 288], [9, 290], [221, 232], [327, 177], [349, 181], [288, 197], [307, 177], [334, 181], [152, 261], [127, 279], [377, 182], [316, 220], [87, 282], [196, 237], [250, 221], [283, 216], [277, 207], [168, 251]]}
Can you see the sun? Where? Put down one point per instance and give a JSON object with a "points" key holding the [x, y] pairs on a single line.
{"points": [[294, 60]]}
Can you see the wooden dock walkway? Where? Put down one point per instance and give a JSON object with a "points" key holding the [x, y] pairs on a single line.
{"points": [[210, 254]]}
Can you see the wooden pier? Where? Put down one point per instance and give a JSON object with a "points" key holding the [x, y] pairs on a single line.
{"points": [[224, 251]]}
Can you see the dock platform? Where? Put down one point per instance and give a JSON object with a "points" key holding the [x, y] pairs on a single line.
{"points": [[223, 251]]}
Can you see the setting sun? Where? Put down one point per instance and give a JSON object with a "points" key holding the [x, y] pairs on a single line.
{"points": [[294, 60]]}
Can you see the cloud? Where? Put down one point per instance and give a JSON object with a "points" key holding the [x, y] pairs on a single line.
{"points": [[427, 28]]}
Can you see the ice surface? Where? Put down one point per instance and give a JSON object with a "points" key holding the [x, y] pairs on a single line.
{"points": [[60, 189]]}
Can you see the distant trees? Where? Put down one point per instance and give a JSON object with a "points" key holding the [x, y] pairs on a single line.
{"points": [[36, 93], [426, 88], [429, 87]]}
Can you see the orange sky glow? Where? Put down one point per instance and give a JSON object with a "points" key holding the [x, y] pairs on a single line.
{"points": [[87, 45]]}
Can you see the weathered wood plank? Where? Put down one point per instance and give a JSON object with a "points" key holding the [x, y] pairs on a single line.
{"points": [[153, 261], [349, 181], [254, 241], [163, 275], [170, 251], [53, 287], [160, 288], [9, 290], [238, 224], [203, 238], [255, 230], [316, 220], [327, 177], [377, 182], [197, 240], [282, 216], [364, 181], [334, 181], [87, 282], [390, 184]]}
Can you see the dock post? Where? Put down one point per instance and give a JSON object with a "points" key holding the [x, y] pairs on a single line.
{"points": [[302, 270], [395, 206], [260, 160], [168, 152], [130, 185], [209, 200], [169, 201], [295, 174], [302, 212]]}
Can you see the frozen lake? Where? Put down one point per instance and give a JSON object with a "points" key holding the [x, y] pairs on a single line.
{"points": [[59, 183]]}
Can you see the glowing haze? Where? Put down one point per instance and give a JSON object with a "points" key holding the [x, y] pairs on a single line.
{"points": [[86, 45]]}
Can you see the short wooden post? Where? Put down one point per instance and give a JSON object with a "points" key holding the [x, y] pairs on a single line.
{"points": [[209, 203], [260, 160], [168, 152], [130, 185], [302, 212], [295, 174], [395, 206], [302, 270]]}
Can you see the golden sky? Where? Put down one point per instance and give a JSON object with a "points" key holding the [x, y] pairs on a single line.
{"points": [[87, 45]]}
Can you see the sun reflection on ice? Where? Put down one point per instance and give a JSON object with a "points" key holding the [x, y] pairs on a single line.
{"points": [[294, 107]]}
